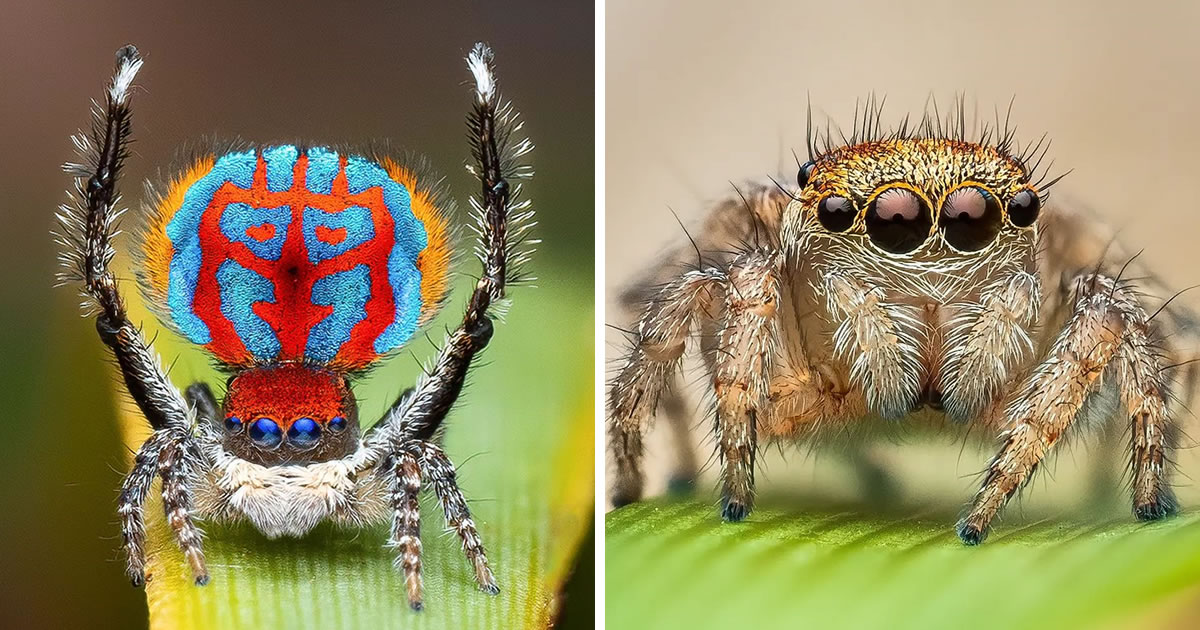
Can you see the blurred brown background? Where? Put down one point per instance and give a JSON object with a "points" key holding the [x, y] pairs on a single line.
{"points": [[713, 92], [334, 72]]}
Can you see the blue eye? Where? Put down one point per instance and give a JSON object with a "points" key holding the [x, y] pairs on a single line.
{"points": [[266, 433], [233, 424], [304, 432], [337, 424]]}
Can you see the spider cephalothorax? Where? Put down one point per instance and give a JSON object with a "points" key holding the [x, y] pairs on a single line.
{"points": [[908, 273], [296, 268]]}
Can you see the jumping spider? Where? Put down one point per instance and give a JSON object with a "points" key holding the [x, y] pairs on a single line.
{"points": [[297, 268], [910, 269]]}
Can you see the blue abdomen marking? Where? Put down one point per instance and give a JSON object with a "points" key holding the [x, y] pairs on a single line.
{"points": [[240, 290], [330, 234], [347, 292], [262, 230], [184, 232]]}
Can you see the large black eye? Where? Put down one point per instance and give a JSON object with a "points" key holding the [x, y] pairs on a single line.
{"points": [[806, 170], [266, 433], [971, 218], [898, 220], [1023, 208], [304, 432], [836, 214]]}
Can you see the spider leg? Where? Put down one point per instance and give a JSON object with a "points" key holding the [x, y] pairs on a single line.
{"points": [[1108, 328], [200, 397], [130, 505], [406, 523], [747, 345], [661, 334], [174, 469], [415, 418], [440, 471], [86, 228]]}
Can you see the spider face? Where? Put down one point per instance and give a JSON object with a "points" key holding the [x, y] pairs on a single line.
{"points": [[291, 413], [915, 199]]}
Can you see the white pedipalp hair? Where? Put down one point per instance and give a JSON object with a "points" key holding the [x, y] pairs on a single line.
{"points": [[129, 62], [479, 62]]}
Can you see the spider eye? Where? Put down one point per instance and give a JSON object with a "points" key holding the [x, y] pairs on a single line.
{"points": [[233, 424], [805, 173], [898, 220], [971, 218], [266, 433], [304, 432], [836, 214], [1023, 208], [337, 424]]}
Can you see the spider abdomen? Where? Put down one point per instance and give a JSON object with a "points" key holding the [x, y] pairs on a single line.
{"points": [[280, 253]]}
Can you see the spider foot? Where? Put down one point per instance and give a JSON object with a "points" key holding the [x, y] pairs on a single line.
{"points": [[971, 534], [1162, 506]]}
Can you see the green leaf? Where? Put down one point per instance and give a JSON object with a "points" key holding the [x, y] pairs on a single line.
{"points": [[673, 563], [520, 438]]}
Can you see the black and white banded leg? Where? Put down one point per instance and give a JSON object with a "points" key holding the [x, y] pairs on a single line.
{"points": [[413, 422], [86, 227]]}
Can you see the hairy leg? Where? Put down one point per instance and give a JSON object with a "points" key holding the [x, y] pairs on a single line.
{"points": [[441, 472], [1109, 327], [87, 225], [746, 348], [130, 505], [660, 339], [174, 469], [406, 523]]}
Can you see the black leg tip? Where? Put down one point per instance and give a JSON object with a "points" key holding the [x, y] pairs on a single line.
{"points": [[971, 534], [201, 580], [621, 500], [1165, 506], [490, 589], [138, 581], [681, 485], [734, 511], [416, 606]]}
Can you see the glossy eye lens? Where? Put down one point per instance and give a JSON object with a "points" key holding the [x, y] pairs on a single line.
{"points": [[304, 432], [805, 173], [266, 433], [233, 424], [898, 220], [1023, 208], [337, 424], [971, 218], [836, 214]]}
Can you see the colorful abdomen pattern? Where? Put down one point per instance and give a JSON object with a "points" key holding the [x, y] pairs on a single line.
{"points": [[287, 254]]}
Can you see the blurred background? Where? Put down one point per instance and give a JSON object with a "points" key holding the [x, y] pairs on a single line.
{"points": [[334, 72], [702, 97]]}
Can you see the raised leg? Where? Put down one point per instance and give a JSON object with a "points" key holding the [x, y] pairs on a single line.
{"points": [[406, 524], [746, 347], [440, 471], [1108, 328], [415, 418], [86, 227]]}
